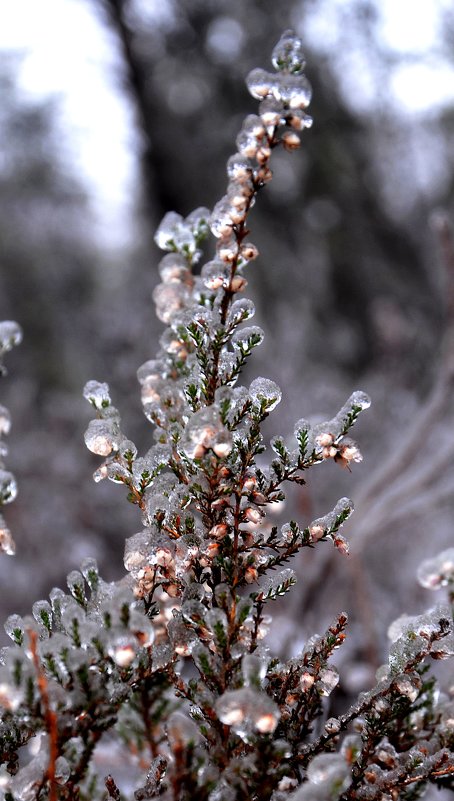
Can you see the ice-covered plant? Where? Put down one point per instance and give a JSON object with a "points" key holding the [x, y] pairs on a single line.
{"points": [[171, 661]]}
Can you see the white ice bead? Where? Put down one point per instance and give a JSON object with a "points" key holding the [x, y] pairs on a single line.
{"points": [[267, 391], [254, 668], [260, 83], [288, 53], [170, 299], [165, 234], [438, 571], [328, 679], [5, 421], [101, 437], [247, 710], [220, 220], [8, 487], [97, 394], [10, 335]]}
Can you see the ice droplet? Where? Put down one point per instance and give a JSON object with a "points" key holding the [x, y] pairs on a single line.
{"points": [[7, 544], [266, 391], [294, 90], [244, 336], [97, 394], [15, 628], [288, 53]]}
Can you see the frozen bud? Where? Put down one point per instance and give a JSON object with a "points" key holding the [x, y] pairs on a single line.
{"points": [[10, 335], [8, 487], [341, 544], [5, 421], [170, 299], [247, 710], [212, 550], [324, 440], [223, 445], [165, 234], [123, 652], [182, 732], [288, 53], [254, 126], [265, 392], [260, 83], [328, 679], [271, 111], [163, 557], [203, 430], [250, 483], [227, 248], [219, 531], [332, 726], [173, 268], [10, 695], [248, 251], [298, 120], [215, 274], [347, 452], [317, 530], [238, 283], [252, 515], [97, 394], [101, 437], [239, 168], [7, 544], [408, 687], [437, 572], [290, 140], [250, 575], [294, 90], [221, 221], [151, 370]]}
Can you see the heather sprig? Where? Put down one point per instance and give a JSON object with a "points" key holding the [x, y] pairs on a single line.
{"points": [[172, 660]]}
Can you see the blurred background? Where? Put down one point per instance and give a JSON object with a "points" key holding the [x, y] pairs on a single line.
{"points": [[116, 111]]}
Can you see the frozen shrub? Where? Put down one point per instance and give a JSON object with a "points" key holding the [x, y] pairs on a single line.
{"points": [[171, 662]]}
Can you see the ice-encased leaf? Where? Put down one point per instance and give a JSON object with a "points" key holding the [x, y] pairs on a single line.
{"points": [[276, 584], [288, 53], [165, 234], [8, 487], [245, 338], [265, 391], [10, 335], [97, 394]]}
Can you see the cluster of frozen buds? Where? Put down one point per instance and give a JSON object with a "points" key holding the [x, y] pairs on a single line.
{"points": [[10, 335]]}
